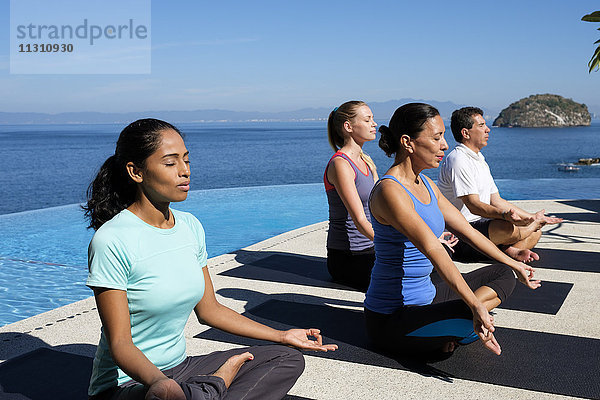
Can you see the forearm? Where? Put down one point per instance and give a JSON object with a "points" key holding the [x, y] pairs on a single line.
{"points": [[506, 205], [364, 226], [522, 213], [227, 320], [134, 363]]}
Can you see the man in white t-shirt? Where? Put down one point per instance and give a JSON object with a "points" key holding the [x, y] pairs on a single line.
{"points": [[466, 181]]}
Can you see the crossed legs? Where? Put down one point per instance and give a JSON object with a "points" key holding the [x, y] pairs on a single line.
{"points": [[431, 332], [271, 372], [522, 237]]}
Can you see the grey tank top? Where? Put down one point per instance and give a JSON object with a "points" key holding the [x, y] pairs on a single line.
{"points": [[343, 234]]}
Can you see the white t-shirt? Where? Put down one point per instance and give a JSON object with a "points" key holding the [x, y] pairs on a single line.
{"points": [[465, 172]]}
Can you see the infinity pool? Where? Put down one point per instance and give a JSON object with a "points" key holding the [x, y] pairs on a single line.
{"points": [[43, 253]]}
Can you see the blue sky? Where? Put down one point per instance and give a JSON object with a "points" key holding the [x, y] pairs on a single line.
{"points": [[285, 55]]}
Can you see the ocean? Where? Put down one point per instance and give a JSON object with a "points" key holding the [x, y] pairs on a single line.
{"points": [[52, 165]]}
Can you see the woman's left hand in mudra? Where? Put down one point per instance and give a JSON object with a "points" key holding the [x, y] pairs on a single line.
{"points": [[301, 338], [525, 276]]}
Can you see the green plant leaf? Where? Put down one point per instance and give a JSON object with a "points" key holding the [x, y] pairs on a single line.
{"points": [[594, 64], [593, 17], [595, 60]]}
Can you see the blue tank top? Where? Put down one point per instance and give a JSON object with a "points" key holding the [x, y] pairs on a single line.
{"points": [[343, 234], [401, 272]]}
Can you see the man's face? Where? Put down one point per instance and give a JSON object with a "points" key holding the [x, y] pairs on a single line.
{"points": [[477, 137]]}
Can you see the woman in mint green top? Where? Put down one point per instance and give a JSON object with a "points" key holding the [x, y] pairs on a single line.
{"points": [[147, 267]]}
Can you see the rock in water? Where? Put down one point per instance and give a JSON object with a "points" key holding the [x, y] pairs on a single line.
{"points": [[544, 110]]}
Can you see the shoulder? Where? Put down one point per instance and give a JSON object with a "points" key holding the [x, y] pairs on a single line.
{"points": [[116, 232], [482, 158], [456, 165], [432, 185], [429, 181], [339, 162], [341, 170], [456, 158], [112, 250], [184, 216], [189, 220], [390, 202], [388, 191]]}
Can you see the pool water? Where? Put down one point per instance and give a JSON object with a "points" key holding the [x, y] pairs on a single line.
{"points": [[43, 253]]}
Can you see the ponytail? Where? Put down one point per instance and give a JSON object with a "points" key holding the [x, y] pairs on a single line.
{"points": [[109, 193], [367, 159], [336, 140]]}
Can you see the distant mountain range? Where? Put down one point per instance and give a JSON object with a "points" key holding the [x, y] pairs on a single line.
{"points": [[382, 111]]}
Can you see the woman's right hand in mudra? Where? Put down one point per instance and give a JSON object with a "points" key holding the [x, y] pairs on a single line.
{"points": [[300, 338], [525, 275], [483, 324]]}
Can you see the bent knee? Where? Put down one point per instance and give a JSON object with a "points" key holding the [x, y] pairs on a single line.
{"points": [[504, 282], [294, 363], [290, 358], [503, 232], [297, 358]]}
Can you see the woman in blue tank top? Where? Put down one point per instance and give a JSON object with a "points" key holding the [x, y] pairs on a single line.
{"points": [[349, 177], [410, 309]]}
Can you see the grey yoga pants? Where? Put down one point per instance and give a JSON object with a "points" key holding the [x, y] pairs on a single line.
{"points": [[270, 375]]}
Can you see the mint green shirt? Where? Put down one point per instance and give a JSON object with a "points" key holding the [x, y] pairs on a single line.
{"points": [[161, 271]]}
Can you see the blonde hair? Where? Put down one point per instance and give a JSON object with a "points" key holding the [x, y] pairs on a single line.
{"points": [[335, 123]]}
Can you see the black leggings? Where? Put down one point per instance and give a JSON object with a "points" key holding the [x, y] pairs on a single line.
{"points": [[422, 331], [270, 375], [351, 268]]}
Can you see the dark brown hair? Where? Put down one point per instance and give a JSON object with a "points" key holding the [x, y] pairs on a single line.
{"points": [[407, 120]]}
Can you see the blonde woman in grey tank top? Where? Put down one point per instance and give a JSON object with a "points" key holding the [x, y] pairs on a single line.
{"points": [[349, 177]]}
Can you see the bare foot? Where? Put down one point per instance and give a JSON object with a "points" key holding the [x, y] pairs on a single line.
{"points": [[449, 347], [165, 389], [230, 368], [523, 255]]}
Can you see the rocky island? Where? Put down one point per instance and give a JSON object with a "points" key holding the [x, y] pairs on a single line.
{"points": [[542, 111]]}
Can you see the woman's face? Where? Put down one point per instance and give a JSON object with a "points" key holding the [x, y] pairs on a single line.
{"points": [[166, 175], [362, 128], [429, 147]]}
